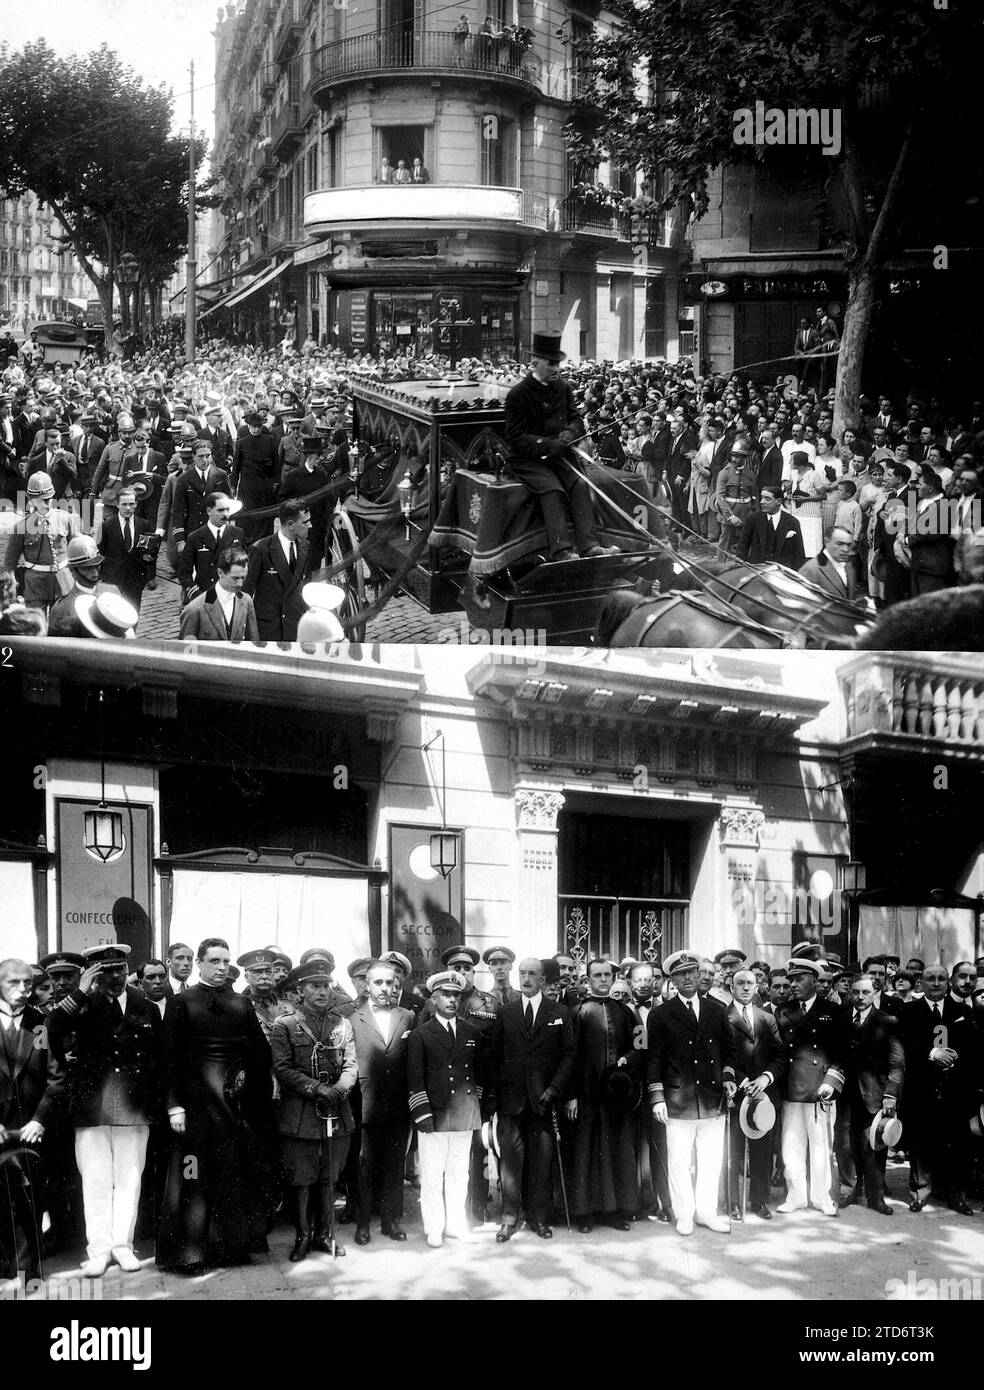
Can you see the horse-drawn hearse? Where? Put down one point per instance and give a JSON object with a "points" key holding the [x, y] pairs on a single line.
{"points": [[432, 511]]}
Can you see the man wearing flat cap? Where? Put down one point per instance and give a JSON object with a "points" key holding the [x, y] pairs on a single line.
{"points": [[114, 1086], [814, 1038], [691, 1066], [481, 1010], [314, 1062], [447, 1073], [500, 960]]}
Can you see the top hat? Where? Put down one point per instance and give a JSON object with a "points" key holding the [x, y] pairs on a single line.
{"points": [[547, 346]]}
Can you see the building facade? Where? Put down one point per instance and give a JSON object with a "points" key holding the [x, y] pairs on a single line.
{"points": [[319, 104], [38, 280], [593, 802]]}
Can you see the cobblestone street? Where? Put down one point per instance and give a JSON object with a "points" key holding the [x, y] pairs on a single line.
{"points": [[402, 620]]}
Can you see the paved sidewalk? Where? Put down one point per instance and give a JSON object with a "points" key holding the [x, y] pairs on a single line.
{"points": [[803, 1256]]}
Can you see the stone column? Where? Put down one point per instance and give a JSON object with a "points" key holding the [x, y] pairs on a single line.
{"points": [[739, 830], [537, 809]]}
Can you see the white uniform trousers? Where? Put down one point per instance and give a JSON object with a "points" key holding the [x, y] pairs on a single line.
{"points": [[804, 1127], [689, 1198], [111, 1162], [444, 1162]]}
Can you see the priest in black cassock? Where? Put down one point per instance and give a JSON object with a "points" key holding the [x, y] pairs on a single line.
{"points": [[219, 1190], [606, 1092]]}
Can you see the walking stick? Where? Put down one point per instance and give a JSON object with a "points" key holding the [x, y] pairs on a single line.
{"points": [[746, 1179], [727, 1152], [560, 1164], [835, 1185]]}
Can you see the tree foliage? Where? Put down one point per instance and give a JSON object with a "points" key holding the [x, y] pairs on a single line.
{"points": [[93, 143], [701, 61]]}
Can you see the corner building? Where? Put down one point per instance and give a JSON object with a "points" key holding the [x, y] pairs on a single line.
{"points": [[494, 246]]}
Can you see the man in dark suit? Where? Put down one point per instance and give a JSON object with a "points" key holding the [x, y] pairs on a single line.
{"points": [[406, 995], [192, 487], [219, 438], [758, 1070], [876, 969], [144, 460], [382, 1035], [691, 1068], [873, 1082], [447, 1070], [278, 566], [814, 1038], [930, 539], [88, 451], [298, 483], [943, 1058], [198, 564], [771, 534], [645, 980], [125, 564], [114, 1087], [27, 1103], [533, 1058], [770, 464], [831, 569], [255, 471]]}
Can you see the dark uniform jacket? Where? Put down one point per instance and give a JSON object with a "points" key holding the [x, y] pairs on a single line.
{"points": [[537, 413], [446, 1076], [528, 1064], [479, 1008], [198, 565], [188, 509], [24, 1090], [689, 1059], [382, 1065], [276, 593], [815, 1046], [292, 1042], [116, 1075], [875, 1060]]}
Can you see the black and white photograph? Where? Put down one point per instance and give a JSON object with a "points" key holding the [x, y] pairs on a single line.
{"points": [[491, 615]]}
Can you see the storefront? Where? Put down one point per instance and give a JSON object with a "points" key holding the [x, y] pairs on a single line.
{"points": [[408, 797], [418, 320]]}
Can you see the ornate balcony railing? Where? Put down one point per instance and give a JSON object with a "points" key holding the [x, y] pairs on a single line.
{"points": [[399, 49], [288, 128], [899, 694]]}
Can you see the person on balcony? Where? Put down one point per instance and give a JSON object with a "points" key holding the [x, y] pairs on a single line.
{"points": [[462, 33], [418, 174], [385, 171], [488, 37], [402, 174]]}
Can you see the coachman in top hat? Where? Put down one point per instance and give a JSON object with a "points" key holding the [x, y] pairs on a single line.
{"points": [[541, 426]]}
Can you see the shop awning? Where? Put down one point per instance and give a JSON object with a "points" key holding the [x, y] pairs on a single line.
{"points": [[265, 277], [78, 303]]}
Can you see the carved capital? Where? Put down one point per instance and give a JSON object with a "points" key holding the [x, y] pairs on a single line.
{"points": [[740, 826], [538, 808]]}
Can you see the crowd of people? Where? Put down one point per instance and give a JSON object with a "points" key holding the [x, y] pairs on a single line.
{"points": [[891, 510], [152, 1104]]}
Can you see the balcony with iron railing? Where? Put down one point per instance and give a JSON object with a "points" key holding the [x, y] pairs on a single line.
{"points": [[288, 129], [288, 37], [398, 49], [283, 231], [891, 698]]}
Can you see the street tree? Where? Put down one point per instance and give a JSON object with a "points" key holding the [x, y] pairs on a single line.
{"points": [[668, 86], [94, 144]]}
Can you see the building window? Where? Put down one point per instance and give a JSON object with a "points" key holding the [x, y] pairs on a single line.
{"points": [[401, 142], [331, 152], [497, 160], [312, 168]]}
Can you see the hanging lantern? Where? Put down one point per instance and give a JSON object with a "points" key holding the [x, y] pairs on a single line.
{"points": [[444, 852], [104, 832]]}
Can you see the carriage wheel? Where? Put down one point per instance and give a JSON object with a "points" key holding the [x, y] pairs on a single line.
{"points": [[352, 579]]}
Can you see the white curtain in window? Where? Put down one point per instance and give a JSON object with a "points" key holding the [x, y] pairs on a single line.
{"points": [[18, 936], [934, 934], [292, 911]]}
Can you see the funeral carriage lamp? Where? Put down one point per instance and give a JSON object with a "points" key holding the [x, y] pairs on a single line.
{"points": [[444, 852], [855, 876]]}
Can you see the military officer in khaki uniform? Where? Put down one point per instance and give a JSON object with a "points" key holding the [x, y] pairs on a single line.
{"points": [[500, 960], [261, 987]]}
